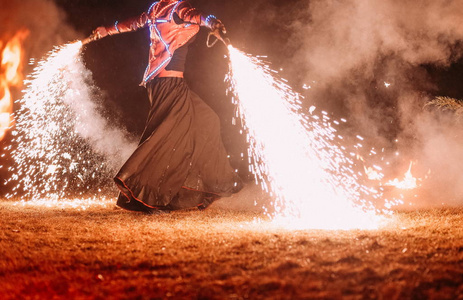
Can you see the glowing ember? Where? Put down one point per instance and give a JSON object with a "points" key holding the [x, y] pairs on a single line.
{"points": [[408, 183], [295, 156], [51, 148], [10, 76], [373, 174]]}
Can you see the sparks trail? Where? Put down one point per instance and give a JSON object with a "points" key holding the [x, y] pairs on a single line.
{"points": [[52, 151], [295, 156]]}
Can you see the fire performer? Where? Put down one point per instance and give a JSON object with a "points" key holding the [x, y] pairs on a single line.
{"points": [[181, 161]]}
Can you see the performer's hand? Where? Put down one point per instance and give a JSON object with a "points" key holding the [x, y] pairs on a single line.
{"points": [[99, 33], [217, 25]]}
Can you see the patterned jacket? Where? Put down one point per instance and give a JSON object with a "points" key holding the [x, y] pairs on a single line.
{"points": [[172, 24]]}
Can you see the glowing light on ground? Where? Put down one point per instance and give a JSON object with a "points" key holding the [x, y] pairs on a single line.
{"points": [[61, 147], [10, 76], [79, 204], [295, 156], [408, 183]]}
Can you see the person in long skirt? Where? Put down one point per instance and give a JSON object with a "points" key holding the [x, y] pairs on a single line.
{"points": [[181, 161]]}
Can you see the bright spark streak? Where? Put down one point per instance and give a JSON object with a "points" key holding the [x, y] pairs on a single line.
{"points": [[373, 174], [294, 156], [53, 156]]}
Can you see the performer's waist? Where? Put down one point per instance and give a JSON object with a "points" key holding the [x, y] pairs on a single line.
{"points": [[170, 73]]}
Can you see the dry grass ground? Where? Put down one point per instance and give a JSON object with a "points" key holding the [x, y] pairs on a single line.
{"points": [[107, 253]]}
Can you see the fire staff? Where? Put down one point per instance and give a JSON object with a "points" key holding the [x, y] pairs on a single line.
{"points": [[180, 161]]}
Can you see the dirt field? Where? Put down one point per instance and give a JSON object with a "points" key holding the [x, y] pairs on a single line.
{"points": [[106, 253]]}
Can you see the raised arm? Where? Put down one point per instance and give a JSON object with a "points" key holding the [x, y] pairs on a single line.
{"points": [[184, 11], [131, 24], [189, 14]]}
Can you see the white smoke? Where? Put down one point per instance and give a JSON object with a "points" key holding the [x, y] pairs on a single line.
{"points": [[348, 50], [348, 44], [343, 38], [114, 143], [45, 21]]}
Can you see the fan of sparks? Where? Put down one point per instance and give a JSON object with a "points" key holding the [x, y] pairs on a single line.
{"points": [[296, 156], [51, 148]]}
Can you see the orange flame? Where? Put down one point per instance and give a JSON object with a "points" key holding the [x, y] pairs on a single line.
{"points": [[10, 76]]}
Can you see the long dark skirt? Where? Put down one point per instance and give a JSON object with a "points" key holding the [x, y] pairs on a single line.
{"points": [[181, 158]]}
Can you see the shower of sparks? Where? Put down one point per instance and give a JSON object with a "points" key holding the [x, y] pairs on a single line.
{"points": [[373, 173], [297, 157], [52, 151]]}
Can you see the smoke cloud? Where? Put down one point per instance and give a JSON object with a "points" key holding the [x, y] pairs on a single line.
{"points": [[115, 144], [351, 37], [45, 21], [349, 50]]}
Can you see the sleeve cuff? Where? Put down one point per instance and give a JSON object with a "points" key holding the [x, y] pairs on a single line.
{"points": [[209, 19]]}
